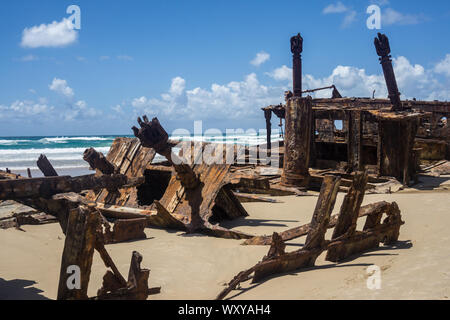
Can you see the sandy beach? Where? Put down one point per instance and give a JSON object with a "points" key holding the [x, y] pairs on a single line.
{"points": [[197, 267]]}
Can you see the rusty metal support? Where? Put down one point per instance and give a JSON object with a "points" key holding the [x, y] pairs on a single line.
{"points": [[49, 186], [152, 135], [46, 167], [384, 50], [297, 49], [268, 116], [98, 161], [297, 142], [335, 94], [395, 149]]}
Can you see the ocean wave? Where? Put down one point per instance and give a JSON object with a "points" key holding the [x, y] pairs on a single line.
{"points": [[247, 139], [67, 139], [56, 167], [48, 151], [71, 157], [12, 142]]}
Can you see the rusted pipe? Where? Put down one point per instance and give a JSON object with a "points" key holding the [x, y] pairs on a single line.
{"points": [[297, 49], [383, 50]]}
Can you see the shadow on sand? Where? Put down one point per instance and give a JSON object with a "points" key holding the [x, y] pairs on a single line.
{"points": [[20, 289]]}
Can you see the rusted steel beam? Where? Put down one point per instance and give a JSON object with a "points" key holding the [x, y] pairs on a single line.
{"points": [[84, 234], [348, 215], [58, 205], [297, 49], [373, 233], [49, 186], [152, 135], [136, 288], [268, 117], [383, 50], [46, 167], [78, 251], [395, 149], [354, 140], [322, 212], [297, 142], [125, 230], [98, 161], [246, 197], [335, 94], [372, 209]]}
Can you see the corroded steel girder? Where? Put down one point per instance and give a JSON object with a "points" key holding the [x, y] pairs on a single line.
{"points": [[98, 161], [383, 50], [297, 49]]}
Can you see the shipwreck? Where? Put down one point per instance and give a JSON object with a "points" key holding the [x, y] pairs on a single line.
{"points": [[380, 140]]}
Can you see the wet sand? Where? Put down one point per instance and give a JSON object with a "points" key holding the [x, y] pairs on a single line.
{"points": [[196, 266]]}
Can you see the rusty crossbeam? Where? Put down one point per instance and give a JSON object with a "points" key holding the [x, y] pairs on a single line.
{"points": [[49, 186]]}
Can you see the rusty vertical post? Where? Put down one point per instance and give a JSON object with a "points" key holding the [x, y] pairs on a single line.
{"points": [[297, 142], [297, 139], [395, 148], [297, 49], [354, 140], [268, 116], [383, 50]]}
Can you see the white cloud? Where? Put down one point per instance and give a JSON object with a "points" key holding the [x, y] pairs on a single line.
{"points": [[260, 58], [281, 73], [74, 110], [349, 18], [60, 86], [80, 110], [390, 16], [380, 2], [104, 58], [118, 109], [234, 100], [22, 109], [240, 99], [414, 81], [125, 58], [55, 34], [443, 66], [338, 7], [28, 58]]}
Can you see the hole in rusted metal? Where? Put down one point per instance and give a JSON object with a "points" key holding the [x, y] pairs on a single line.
{"points": [[154, 187]]}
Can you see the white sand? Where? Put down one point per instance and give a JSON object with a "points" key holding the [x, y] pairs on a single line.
{"points": [[196, 266]]}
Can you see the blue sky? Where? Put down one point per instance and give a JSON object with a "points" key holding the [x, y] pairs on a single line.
{"points": [[192, 60]]}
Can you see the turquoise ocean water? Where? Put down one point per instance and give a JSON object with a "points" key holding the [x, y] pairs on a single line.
{"points": [[66, 152]]}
